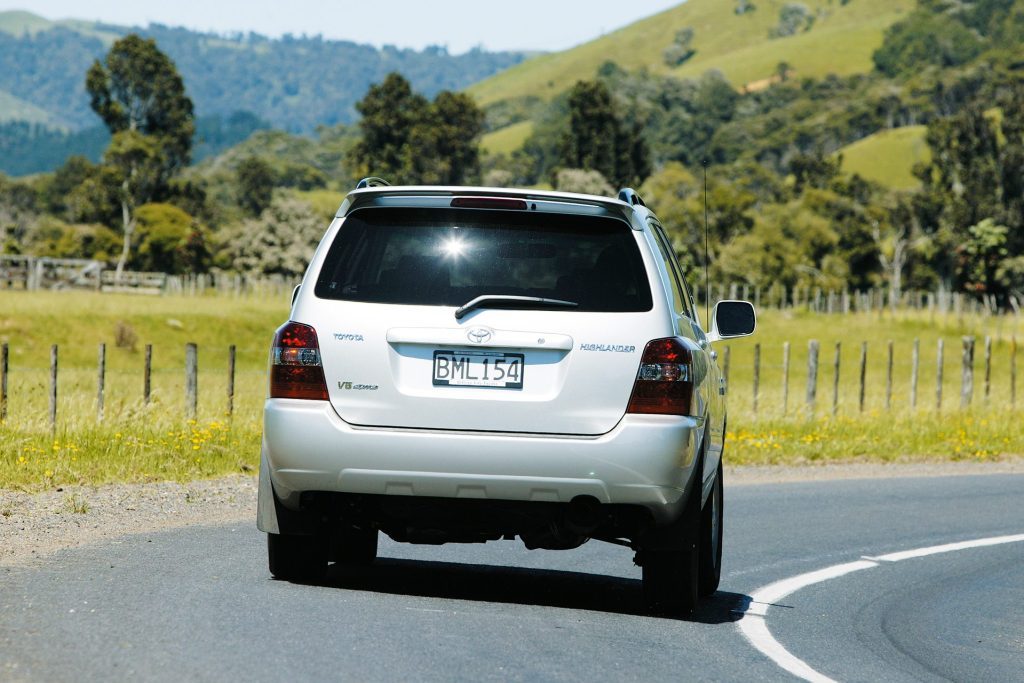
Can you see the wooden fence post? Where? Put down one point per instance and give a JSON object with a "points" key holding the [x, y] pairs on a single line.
{"points": [[835, 381], [757, 373], [863, 372], [914, 363], [231, 380], [1013, 372], [3, 382], [725, 365], [785, 377], [938, 376], [191, 380], [101, 381], [147, 374], [812, 373], [988, 367], [967, 373], [888, 380], [53, 388]]}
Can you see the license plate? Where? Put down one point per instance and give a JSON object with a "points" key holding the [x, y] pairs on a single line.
{"points": [[478, 369]]}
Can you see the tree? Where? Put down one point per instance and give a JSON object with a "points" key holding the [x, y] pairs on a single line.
{"points": [[925, 37], [793, 17], [593, 128], [744, 7], [133, 166], [279, 242], [139, 95], [170, 240], [584, 182], [972, 177], [681, 48], [407, 137], [982, 256], [814, 170], [55, 191], [255, 185], [389, 112], [597, 139], [137, 88], [17, 211], [456, 123]]}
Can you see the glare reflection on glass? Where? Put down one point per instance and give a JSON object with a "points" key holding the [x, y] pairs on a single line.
{"points": [[454, 247]]}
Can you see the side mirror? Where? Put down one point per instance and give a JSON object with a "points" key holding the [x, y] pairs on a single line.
{"points": [[295, 294], [732, 319]]}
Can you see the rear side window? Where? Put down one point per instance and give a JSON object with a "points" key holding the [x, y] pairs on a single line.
{"points": [[447, 257], [680, 290]]}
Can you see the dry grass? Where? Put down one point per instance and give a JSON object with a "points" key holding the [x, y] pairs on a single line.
{"points": [[136, 442]]}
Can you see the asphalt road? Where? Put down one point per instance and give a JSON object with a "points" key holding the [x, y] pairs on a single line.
{"points": [[199, 604]]}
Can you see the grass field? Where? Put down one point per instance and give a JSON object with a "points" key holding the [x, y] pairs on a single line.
{"points": [[508, 139], [135, 442], [840, 41], [887, 157], [790, 431]]}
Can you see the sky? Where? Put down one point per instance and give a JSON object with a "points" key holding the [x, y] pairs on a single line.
{"points": [[458, 24]]}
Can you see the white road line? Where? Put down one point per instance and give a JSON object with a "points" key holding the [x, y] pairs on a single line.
{"points": [[764, 597], [754, 627], [948, 548]]}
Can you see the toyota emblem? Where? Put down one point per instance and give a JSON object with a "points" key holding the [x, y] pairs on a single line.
{"points": [[478, 335]]}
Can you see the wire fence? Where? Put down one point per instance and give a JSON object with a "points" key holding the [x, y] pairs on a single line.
{"points": [[854, 378], [28, 273], [819, 380]]}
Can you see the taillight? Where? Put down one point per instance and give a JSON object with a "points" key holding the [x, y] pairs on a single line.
{"points": [[664, 383], [295, 368]]}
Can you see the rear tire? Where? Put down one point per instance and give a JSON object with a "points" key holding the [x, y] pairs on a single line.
{"points": [[711, 538], [297, 558], [670, 581], [671, 570], [356, 546]]}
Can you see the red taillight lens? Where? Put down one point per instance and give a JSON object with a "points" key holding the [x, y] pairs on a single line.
{"points": [[295, 369], [664, 383]]}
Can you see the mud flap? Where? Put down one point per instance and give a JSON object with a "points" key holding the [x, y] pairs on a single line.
{"points": [[266, 507]]}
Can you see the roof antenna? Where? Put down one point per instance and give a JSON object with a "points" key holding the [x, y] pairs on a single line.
{"points": [[707, 279]]}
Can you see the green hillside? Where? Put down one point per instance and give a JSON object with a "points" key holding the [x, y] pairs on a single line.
{"points": [[507, 139], [19, 22], [294, 83], [888, 156], [840, 40], [16, 109]]}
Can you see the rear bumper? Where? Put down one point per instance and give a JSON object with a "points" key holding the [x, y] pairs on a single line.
{"points": [[645, 460]]}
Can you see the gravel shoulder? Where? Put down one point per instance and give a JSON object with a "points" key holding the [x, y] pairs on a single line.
{"points": [[33, 526]]}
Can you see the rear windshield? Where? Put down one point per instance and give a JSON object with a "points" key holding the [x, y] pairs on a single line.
{"points": [[447, 257]]}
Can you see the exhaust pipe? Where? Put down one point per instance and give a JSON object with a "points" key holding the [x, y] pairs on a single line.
{"points": [[583, 515]]}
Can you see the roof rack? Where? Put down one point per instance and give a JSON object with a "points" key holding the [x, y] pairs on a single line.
{"points": [[630, 196], [372, 181]]}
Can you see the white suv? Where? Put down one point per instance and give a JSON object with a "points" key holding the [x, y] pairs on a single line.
{"points": [[474, 364]]}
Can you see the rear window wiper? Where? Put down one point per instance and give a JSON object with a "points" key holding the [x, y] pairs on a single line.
{"points": [[509, 301]]}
